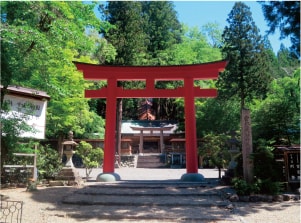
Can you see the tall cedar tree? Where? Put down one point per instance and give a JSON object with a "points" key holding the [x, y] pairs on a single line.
{"points": [[246, 75], [142, 30], [285, 16], [162, 26], [127, 36]]}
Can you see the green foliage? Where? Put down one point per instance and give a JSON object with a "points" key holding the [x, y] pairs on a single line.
{"points": [[91, 157], [265, 167], [127, 34], [217, 116], [214, 147], [260, 186], [267, 173], [268, 186], [39, 42], [241, 186], [277, 117], [161, 26], [246, 75], [49, 162], [285, 16]]}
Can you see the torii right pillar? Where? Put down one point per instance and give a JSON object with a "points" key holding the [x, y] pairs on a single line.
{"points": [[190, 134]]}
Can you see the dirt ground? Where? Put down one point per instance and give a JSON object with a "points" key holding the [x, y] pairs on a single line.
{"points": [[44, 206]]}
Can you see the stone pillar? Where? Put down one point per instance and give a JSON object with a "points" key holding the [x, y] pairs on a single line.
{"points": [[247, 148]]}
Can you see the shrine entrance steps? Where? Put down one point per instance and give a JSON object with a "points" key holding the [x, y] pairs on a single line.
{"points": [[150, 201], [151, 160]]}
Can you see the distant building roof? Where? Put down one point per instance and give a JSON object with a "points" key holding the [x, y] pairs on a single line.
{"points": [[29, 92], [126, 126]]}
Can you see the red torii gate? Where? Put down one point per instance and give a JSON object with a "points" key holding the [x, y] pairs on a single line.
{"points": [[150, 74]]}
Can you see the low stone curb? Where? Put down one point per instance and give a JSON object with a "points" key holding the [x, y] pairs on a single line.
{"points": [[233, 197]]}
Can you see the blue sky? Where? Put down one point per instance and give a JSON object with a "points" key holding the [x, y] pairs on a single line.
{"points": [[198, 13]]}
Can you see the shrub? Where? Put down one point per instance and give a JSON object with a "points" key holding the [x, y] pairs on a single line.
{"points": [[259, 186], [91, 158], [49, 162], [241, 186]]}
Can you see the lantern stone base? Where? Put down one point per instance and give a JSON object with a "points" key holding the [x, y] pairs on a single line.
{"points": [[192, 177], [108, 177], [69, 174]]}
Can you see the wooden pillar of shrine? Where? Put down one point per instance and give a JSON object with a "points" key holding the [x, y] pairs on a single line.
{"points": [[161, 141], [141, 142]]}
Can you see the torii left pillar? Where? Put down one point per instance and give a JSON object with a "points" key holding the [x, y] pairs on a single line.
{"points": [[109, 143], [150, 74]]}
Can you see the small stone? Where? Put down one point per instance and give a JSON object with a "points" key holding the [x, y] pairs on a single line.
{"points": [[278, 198], [230, 207], [56, 183], [286, 197], [244, 198], [267, 198], [234, 198], [255, 198]]}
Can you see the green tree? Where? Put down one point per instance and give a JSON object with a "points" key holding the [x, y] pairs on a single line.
{"points": [[217, 148], [194, 48], [248, 72], [216, 116], [246, 75], [39, 42], [287, 62], [276, 118], [161, 26], [127, 34], [285, 16], [91, 157]]}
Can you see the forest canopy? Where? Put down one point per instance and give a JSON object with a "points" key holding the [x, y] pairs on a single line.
{"points": [[40, 41]]}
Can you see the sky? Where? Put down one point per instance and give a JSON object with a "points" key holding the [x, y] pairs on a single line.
{"points": [[199, 13]]}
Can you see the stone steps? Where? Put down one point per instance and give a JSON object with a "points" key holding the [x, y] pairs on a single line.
{"points": [[151, 161], [167, 201]]}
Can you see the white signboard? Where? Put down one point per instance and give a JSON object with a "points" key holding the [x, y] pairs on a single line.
{"points": [[33, 111]]}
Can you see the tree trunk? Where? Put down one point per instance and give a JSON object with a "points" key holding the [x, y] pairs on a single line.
{"points": [[118, 127], [247, 147]]}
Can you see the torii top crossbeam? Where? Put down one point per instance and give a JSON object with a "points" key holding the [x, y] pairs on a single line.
{"points": [[150, 74], [165, 73]]}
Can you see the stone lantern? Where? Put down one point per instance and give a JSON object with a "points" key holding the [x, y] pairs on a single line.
{"points": [[69, 173], [68, 150]]}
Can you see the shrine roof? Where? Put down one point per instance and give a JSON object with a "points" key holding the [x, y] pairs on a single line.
{"points": [[29, 92], [126, 126]]}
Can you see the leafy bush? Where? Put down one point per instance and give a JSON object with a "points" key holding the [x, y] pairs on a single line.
{"points": [[241, 186], [269, 187], [259, 186], [49, 162], [267, 172], [265, 166], [92, 158]]}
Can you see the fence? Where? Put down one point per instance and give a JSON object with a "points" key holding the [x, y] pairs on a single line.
{"points": [[10, 211], [10, 168]]}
